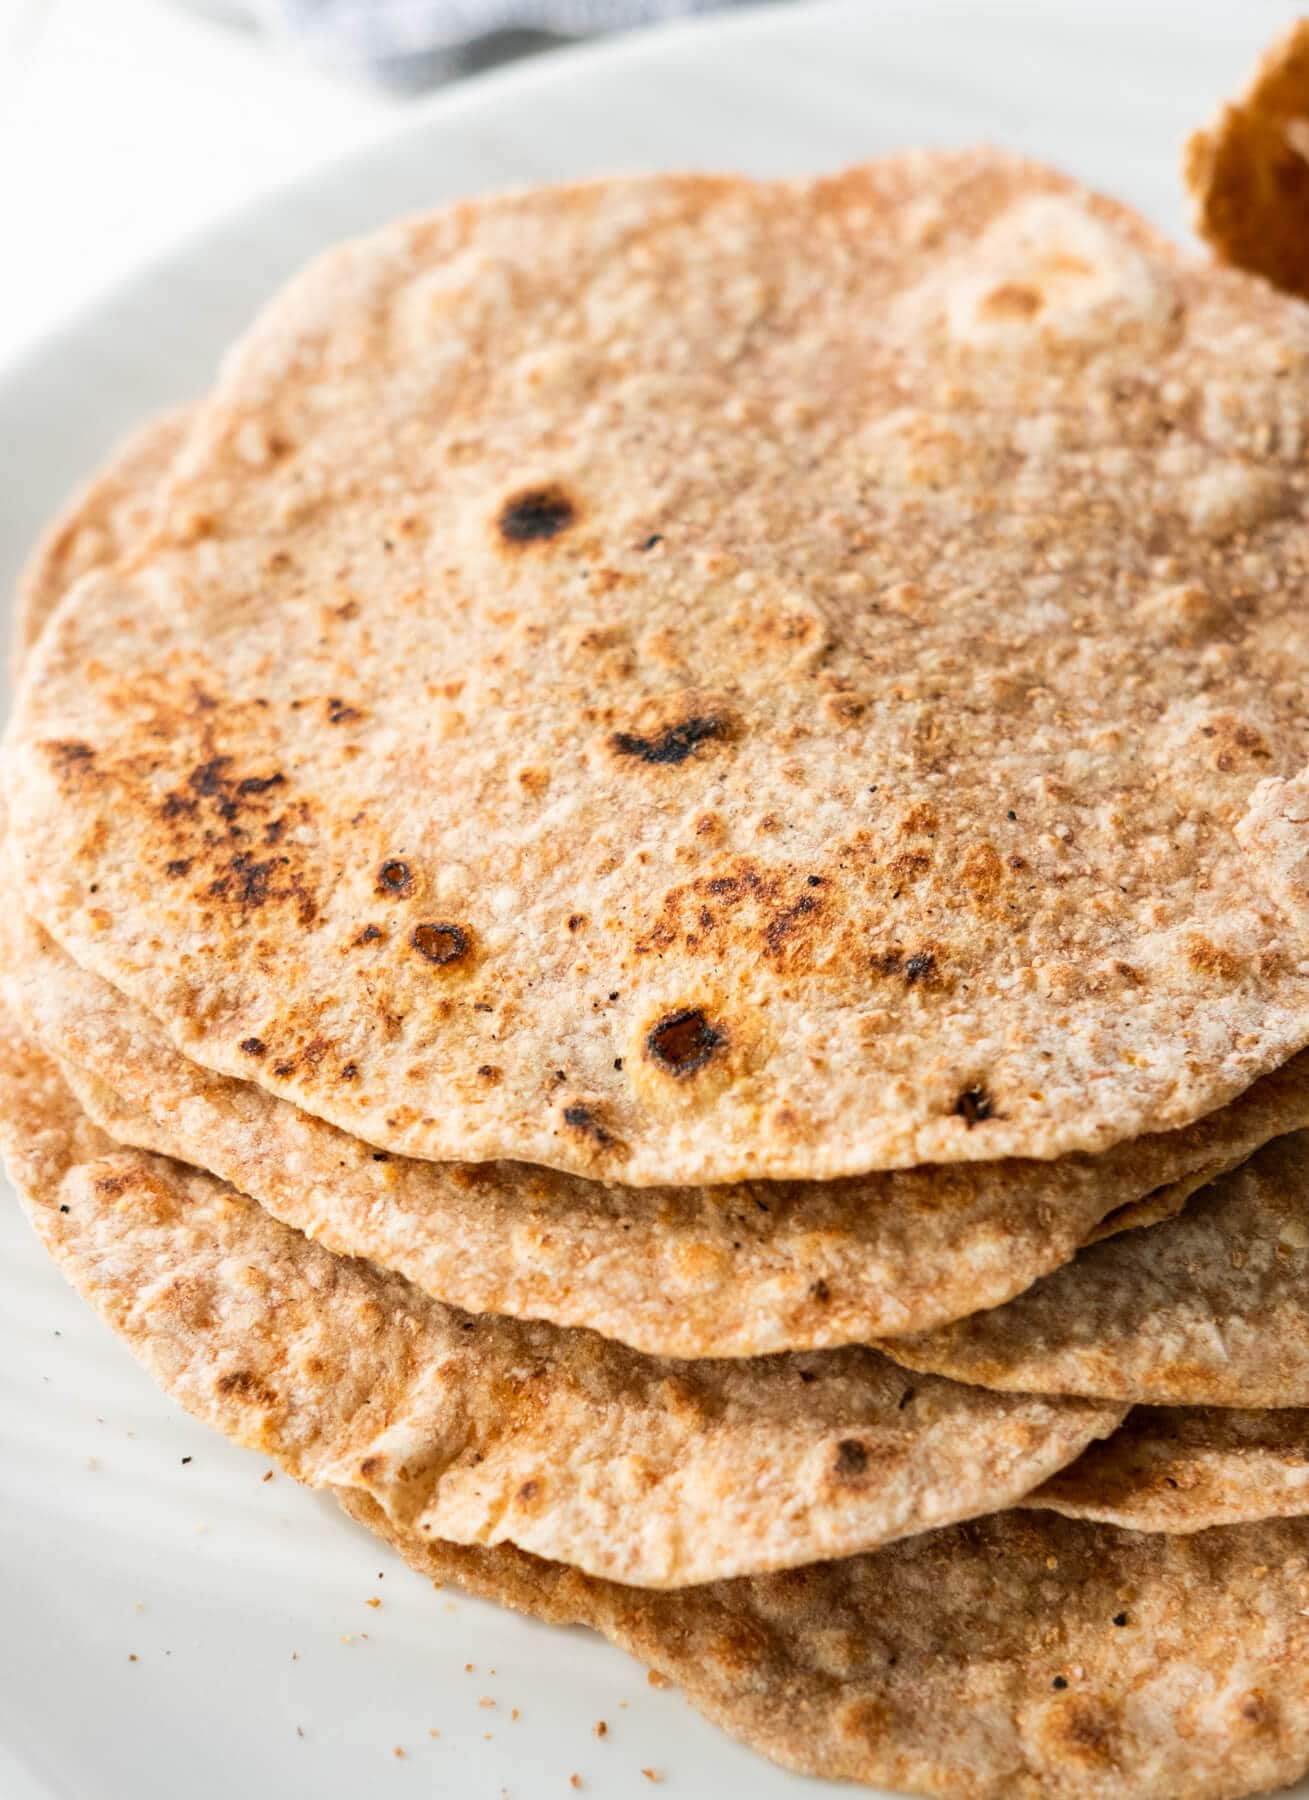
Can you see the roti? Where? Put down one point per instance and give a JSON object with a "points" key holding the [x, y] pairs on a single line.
{"points": [[1173, 1468], [684, 680], [735, 1271], [106, 517], [487, 1430], [1210, 1308], [1167, 1201], [673, 1272], [1021, 1654], [1017, 1658]]}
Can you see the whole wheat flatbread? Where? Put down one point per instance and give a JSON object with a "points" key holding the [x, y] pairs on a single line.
{"points": [[675, 1272], [1026, 1657], [1208, 1308], [1248, 172], [111, 513], [672, 1271], [1166, 1201], [487, 1430], [1188, 1468], [686, 679], [1023, 1655]]}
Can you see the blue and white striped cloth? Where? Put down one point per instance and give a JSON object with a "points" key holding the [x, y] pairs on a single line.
{"points": [[419, 42]]}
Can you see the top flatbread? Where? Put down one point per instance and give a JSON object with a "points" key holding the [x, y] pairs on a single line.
{"points": [[598, 639], [677, 1272]]}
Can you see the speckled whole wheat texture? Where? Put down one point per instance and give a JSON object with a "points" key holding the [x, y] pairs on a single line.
{"points": [[673, 1272], [486, 1430], [1164, 1202], [1017, 1657], [1188, 1468], [678, 1271], [1248, 172], [1026, 1657], [106, 516], [882, 507], [1209, 1308]]}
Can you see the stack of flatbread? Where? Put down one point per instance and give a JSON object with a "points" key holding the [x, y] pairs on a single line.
{"points": [[657, 925]]}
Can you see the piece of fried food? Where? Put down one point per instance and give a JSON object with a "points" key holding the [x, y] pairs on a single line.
{"points": [[1248, 172]]}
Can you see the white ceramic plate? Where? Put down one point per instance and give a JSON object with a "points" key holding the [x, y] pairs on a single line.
{"points": [[170, 1622]]}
